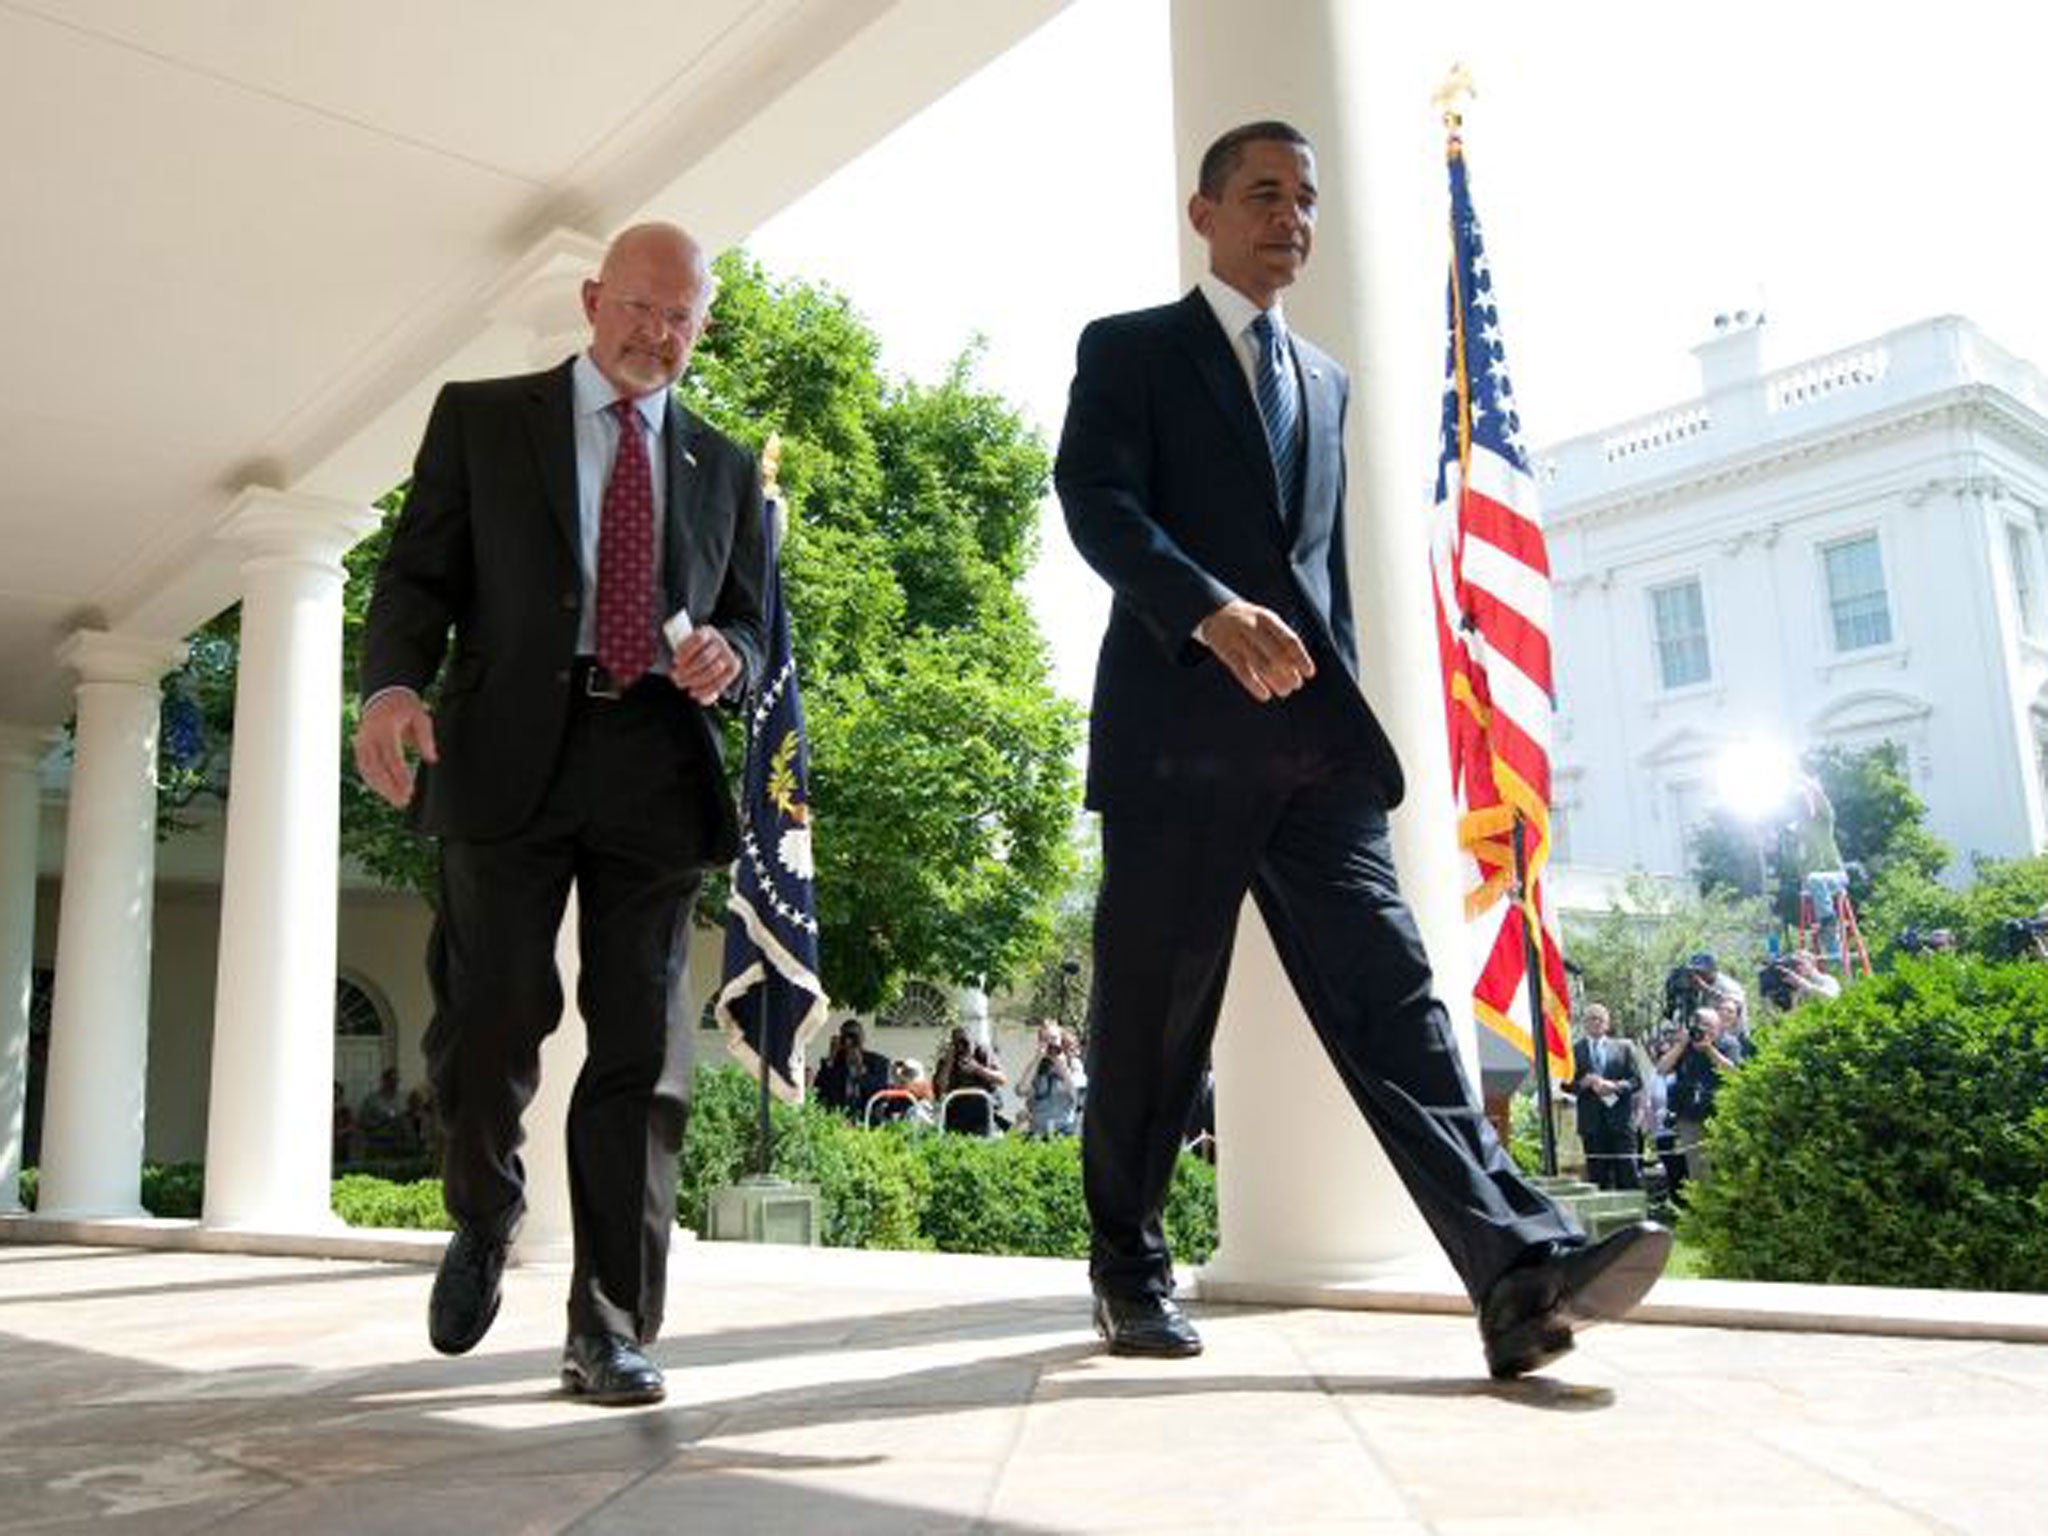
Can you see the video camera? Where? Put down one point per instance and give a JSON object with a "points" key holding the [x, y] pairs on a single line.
{"points": [[2024, 937], [1684, 994], [1774, 981]]}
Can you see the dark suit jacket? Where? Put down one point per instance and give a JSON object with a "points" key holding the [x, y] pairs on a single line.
{"points": [[1170, 494], [1594, 1116], [487, 544]]}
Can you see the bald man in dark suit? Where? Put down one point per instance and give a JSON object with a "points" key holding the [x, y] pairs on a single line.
{"points": [[557, 526]]}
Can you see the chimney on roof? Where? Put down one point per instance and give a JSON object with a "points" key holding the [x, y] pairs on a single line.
{"points": [[1734, 354]]}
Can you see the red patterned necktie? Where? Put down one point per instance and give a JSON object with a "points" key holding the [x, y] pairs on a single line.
{"points": [[625, 557]]}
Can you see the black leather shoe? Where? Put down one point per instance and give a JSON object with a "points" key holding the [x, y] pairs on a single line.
{"points": [[1529, 1316], [466, 1291], [1145, 1325], [610, 1370]]}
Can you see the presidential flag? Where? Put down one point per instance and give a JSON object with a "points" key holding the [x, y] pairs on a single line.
{"points": [[770, 1001], [1492, 590]]}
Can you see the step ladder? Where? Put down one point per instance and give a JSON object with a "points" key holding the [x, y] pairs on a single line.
{"points": [[1850, 952]]}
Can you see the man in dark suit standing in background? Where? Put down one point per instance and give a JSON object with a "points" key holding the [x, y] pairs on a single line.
{"points": [[1604, 1085], [1201, 468], [598, 554]]}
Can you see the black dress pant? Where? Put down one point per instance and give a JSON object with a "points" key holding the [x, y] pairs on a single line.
{"points": [[625, 822], [1308, 840], [1610, 1144]]}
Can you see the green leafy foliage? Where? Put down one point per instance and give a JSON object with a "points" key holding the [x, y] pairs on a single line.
{"points": [[364, 1200], [170, 1191], [1880, 825], [942, 779], [1625, 953], [173, 1190], [1897, 1136], [2002, 891], [901, 1187]]}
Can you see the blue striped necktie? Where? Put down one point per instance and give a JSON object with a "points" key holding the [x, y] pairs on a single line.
{"points": [[1279, 408]]}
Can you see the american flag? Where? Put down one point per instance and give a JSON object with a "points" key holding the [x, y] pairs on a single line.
{"points": [[1492, 588], [770, 1000]]}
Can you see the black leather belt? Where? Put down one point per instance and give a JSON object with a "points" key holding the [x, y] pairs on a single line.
{"points": [[588, 680]]}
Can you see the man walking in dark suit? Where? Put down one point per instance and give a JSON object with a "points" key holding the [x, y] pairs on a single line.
{"points": [[1201, 468], [569, 527], [1605, 1082]]}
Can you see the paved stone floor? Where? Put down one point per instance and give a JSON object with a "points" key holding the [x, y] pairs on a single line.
{"points": [[846, 1393]]}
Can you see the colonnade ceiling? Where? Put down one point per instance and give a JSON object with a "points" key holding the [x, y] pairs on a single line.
{"points": [[246, 241]]}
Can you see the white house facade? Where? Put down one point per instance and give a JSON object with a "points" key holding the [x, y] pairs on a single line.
{"points": [[1844, 551]]}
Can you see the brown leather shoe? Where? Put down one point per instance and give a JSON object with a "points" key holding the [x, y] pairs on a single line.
{"points": [[610, 1370], [1528, 1317], [1145, 1325]]}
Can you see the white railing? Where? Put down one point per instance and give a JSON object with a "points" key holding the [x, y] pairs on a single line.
{"points": [[1653, 434], [1809, 382]]}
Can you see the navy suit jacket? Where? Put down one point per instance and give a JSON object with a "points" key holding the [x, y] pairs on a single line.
{"points": [[1170, 493], [487, 546]]}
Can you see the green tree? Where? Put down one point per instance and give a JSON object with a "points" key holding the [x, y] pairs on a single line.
{"points": [[1625, 953], [943, 788], [1880, 825]]}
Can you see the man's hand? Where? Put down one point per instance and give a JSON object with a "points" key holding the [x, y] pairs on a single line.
{"points": [[1263, 654], [704, 665], [394, 721]]}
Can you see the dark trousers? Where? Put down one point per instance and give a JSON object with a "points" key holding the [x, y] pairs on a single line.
{"points": [[623, 823], [1610, 1153], [1312, 849]]}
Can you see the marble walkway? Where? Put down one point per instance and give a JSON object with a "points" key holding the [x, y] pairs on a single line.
{"points": [[172, 1392]]}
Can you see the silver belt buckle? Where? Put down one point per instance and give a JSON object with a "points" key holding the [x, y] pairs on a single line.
{"points": [[598, 684]]}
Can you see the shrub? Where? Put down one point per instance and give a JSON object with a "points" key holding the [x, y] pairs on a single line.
{"points": [[364, 1200], [1897, 1136], [905, 1187], [872, 1184], [168, 1189], [174, 1189]]}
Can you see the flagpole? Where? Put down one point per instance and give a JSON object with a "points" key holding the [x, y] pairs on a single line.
{"points": [[1539, 1031], [771, 510]]}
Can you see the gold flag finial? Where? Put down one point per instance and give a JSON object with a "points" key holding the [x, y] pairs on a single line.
{"points": [[771, 460], [1450, 96]]}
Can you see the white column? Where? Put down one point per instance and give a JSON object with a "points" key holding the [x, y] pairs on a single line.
{"points": [[22, 750], [540, 298], [548, 1234], [99, 1031], [1307, 1199], [268, 1146]]}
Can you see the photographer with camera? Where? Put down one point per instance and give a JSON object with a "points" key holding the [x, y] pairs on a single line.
{"points": [[2026, 938], [963, 1064], [1053, 1085], [1789, 981], [1695, 1059], [852, 1074]]}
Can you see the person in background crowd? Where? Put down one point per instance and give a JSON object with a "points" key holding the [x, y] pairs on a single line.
{"points": [[1054, 1084], [1696, 1063], [1605, 1084], [963, 1064], [344, 1127], [852, 1074]]}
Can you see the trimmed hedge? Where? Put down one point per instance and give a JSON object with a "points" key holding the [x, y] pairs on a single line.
{"points": [[904, 1187], [894, 1187], [1896, 1136], [171, 1190], [365, 1200]]}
